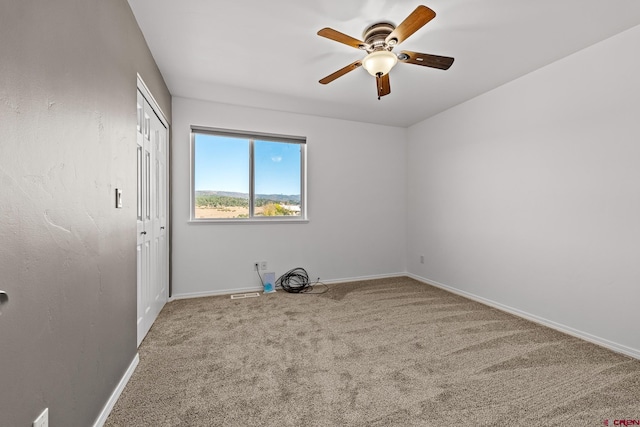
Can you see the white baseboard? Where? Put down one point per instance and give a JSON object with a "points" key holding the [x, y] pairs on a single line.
{"points": [[215, 293], [361, 278], [259, 288], [108, 407], [618, 348]]}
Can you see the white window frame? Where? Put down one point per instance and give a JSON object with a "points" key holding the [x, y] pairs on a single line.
{"points": [[251, 136]]}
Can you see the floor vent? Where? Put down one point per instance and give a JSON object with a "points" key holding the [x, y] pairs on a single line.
{"points": [[241, 296]]}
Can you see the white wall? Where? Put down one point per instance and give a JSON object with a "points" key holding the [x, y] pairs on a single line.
{"points": [[356, 193], [529, 196]]}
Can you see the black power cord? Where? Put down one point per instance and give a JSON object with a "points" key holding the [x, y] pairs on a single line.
{"points": [[296, 281], [258, 273]]}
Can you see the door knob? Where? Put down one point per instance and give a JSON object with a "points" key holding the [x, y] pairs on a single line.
{"points": [[4, 297]]}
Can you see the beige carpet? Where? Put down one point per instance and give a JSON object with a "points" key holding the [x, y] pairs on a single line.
{"points": [[389, 352]]}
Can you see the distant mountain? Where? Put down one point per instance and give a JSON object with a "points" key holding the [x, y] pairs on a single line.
{"points": [[222, 193], [279, 197], [272, 197]]}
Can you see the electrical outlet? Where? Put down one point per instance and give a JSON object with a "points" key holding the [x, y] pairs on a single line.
{"points": [[421, 259], [42, 420], [263, 265]]}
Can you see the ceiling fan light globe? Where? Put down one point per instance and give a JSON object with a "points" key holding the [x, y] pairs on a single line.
{"points": [[379, 62]]}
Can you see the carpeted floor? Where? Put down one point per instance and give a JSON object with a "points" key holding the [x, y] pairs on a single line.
{"points": [[388, 352]]}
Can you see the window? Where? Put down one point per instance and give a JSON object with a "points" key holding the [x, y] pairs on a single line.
{"points": [[240, 176]]}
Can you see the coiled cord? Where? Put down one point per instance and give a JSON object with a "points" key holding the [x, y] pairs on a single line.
{"points": [[296, 281]]}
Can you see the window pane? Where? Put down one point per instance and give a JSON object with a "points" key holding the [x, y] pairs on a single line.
{"points": [[221, 176], [277, 178]]}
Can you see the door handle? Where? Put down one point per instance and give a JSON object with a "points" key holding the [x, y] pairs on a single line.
{"points": [[143, 232], [162, 228], [4, 297]]}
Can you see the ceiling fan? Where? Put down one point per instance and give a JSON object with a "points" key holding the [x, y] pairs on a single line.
{"points": [[379, 41]]}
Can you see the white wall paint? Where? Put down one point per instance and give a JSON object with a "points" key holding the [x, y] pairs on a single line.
{"points": [[529, 195], [356, 200]]}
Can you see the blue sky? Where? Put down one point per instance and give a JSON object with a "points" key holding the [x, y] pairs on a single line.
{"points": [[222, 164]]}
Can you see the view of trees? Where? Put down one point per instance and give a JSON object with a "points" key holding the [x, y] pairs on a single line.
{"points": [[269, 207], [215, 201], [265, 201], [275, 209]]}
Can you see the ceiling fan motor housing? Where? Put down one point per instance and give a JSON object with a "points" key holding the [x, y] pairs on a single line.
{"points": [[376, 34]]}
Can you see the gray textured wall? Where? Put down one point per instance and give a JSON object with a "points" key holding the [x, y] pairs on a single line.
{"points": [[67, 256]]}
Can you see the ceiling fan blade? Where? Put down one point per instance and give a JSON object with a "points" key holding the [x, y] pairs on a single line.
{"points": [[424, 59], [332, 34], [384, 88], [341, 72], [416, 20]]}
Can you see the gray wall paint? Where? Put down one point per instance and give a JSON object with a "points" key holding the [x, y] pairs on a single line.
{"points": [[67, 256], [529, 195]]}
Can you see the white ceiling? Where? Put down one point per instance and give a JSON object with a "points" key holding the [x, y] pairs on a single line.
{"points": [[266, 54]]}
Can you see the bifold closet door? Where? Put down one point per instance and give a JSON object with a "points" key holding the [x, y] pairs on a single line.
{"points": [[152, 190]]}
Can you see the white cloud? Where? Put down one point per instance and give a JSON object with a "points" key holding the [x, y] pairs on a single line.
{"points": [[276, 159]]}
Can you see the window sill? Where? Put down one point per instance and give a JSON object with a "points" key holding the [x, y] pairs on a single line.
{"points": [[248, 221]]}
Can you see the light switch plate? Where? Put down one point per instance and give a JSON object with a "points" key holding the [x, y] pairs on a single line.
{"points": [[118, 198]]}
